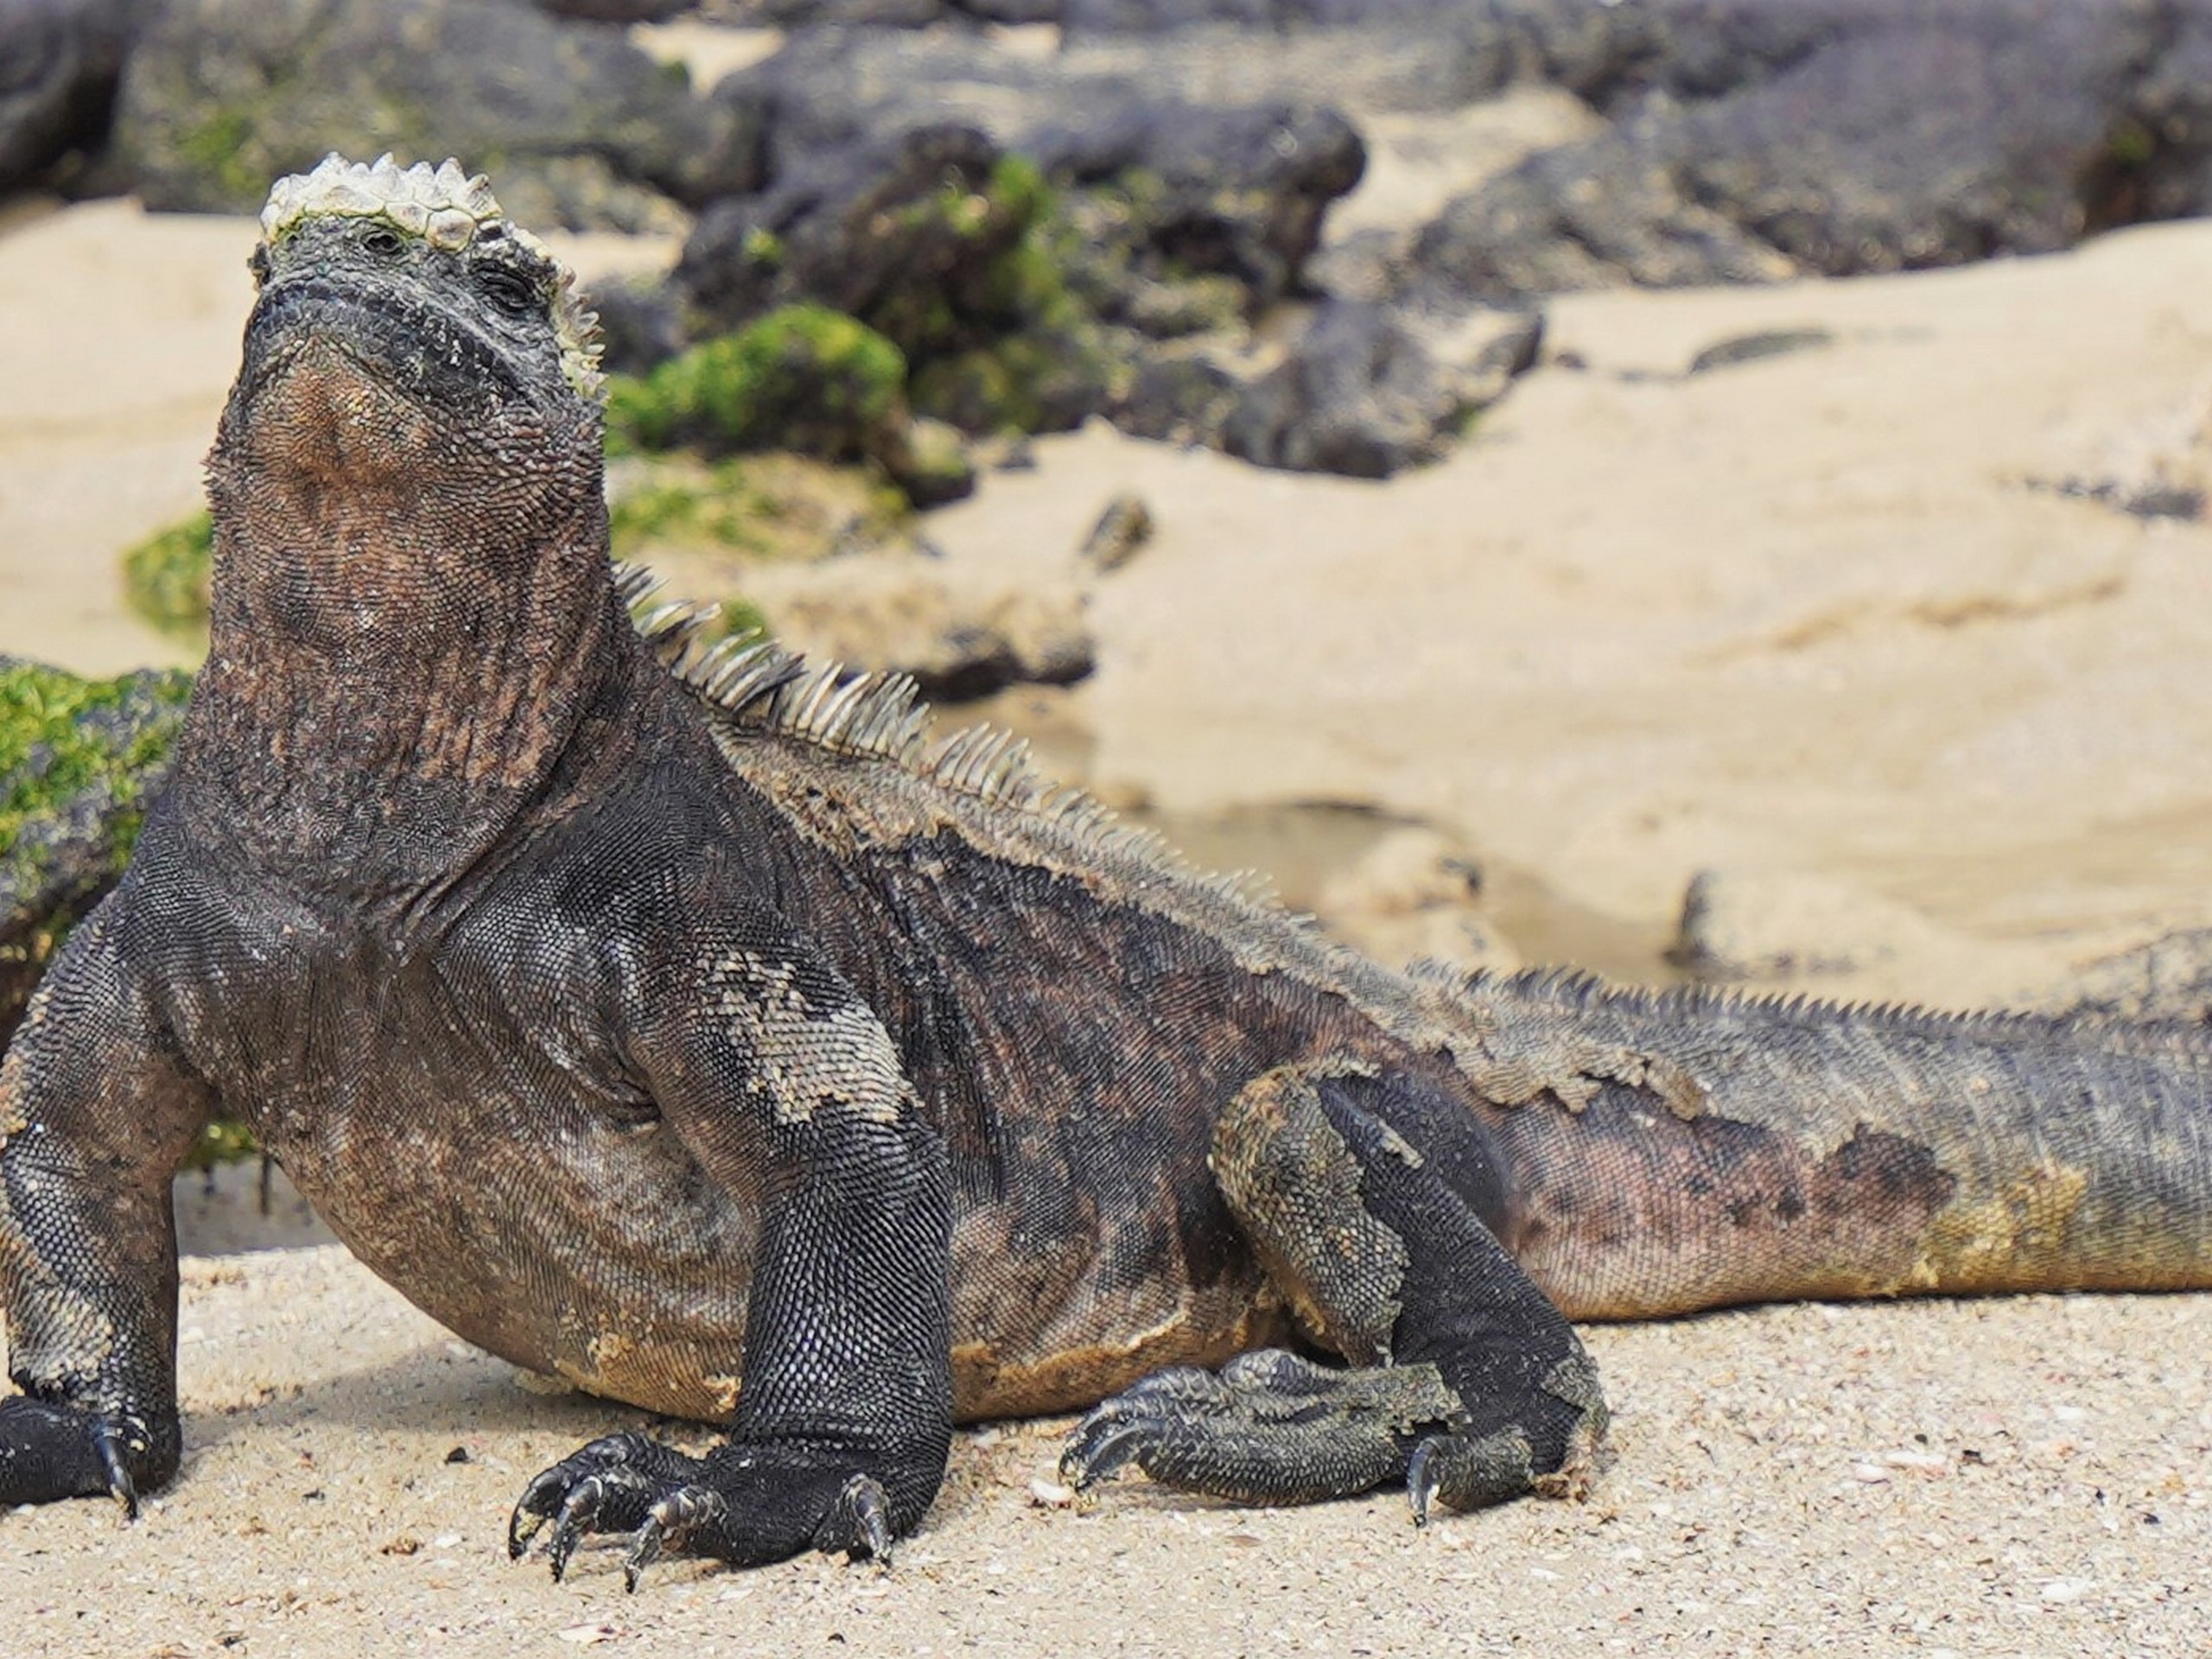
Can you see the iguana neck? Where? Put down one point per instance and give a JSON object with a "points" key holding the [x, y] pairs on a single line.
{"points": [[388, 687]]}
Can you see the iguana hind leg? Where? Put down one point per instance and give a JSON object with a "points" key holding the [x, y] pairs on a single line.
{"points": [[1466, 1383]]}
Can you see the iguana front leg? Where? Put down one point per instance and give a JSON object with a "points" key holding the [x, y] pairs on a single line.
{"points": [[96, 1118], [788, 1091], [1469, 1386]]}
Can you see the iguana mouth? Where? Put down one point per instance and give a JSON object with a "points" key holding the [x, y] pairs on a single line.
{"points": [[411, 351]]}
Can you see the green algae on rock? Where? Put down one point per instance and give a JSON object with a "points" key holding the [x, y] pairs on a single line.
{"points": [[802, 377], [79, 760], [165, 577]]}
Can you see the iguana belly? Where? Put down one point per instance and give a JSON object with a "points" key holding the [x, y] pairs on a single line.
{"points": [[602, 1255]]}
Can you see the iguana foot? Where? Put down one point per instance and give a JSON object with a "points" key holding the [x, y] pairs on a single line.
{"points": [[1466, 1383], [53, 1451], [1269, 1428], [746, 1504]]}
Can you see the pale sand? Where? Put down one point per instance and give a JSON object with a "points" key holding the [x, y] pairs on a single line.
{"points": [[1978, 1478], [1796, 615]]}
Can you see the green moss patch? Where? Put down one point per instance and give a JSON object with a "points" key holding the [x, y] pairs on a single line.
{"points": [[165, 577], [1007, 282], [772, 506], [63, 738], [1010, 346], [802, 377], [79, 761], [705, 526], [217, 144], [224, 1141]]}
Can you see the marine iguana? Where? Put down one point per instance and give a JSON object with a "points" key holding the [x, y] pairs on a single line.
{"points": [[692, 1024]]}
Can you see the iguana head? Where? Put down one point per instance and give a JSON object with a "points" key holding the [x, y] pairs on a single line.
{"points": [[405, 325], [412, 607], [434, 238], [417, 409]]}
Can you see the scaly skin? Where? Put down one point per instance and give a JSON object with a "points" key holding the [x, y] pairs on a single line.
{"points": [[687, 1023]]}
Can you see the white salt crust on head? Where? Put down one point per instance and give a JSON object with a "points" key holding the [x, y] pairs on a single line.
{"points": [[443, 207]]}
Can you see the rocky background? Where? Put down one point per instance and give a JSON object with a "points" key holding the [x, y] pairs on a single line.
{"points": [[1056, 209], [909, 237]]}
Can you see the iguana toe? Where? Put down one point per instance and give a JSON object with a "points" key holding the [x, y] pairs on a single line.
{"points": [[745, 1503], [49, 1451], [1269, 1428]]}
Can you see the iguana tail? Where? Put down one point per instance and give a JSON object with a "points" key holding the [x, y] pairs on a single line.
{"points": [[1740, 1148]]}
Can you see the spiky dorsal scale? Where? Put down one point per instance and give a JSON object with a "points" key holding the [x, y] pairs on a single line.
{"points": [[751, 685], [1575, 991], [636, 584]]}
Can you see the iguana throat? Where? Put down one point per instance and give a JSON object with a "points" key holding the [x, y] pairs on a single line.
{"points": [[412, 614]]}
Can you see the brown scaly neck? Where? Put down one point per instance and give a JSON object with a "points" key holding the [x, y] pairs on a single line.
{"points": [[391, 687]]}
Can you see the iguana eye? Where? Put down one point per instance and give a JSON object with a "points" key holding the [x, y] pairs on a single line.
{"points": [[512, 294], [384, 242]]}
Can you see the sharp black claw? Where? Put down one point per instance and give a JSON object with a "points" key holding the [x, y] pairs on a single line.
{"points": [[539, 1501], [643, 1553], [120, 1486], [578, 1513], [732, 1506], [521, 1528], [1098, 1450], [1422, 1478], [865, 1513]]}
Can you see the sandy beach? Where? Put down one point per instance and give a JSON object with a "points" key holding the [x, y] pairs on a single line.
{"points": [[1818, 617]]}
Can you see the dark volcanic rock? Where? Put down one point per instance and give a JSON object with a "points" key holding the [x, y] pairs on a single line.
{"points": [[888, 14], [616, 11], [641, 323], [857, 229], [1236, 192], [1583, 45], [1922, 144], [579, 128], [1436, 54], [2169, 978], [1751, 140], [1369, 391], [1758, 347], [1372, 389], [2158, 158], [60, 61], [1359, 394], [1179, 397], [1013, 11], [1847, 139], [1207, 183], [1123, 527], [928, 237], [1616, 210], [1019, 306], [877, 14]]}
